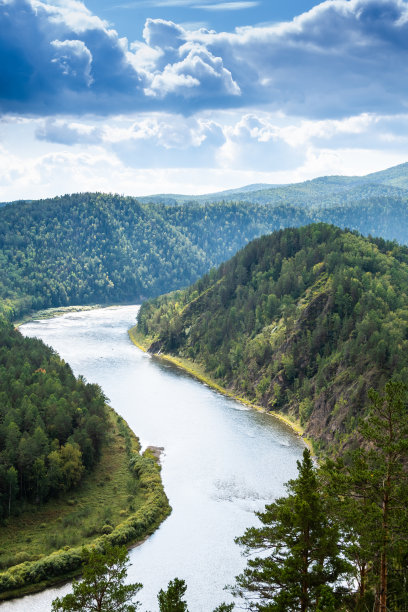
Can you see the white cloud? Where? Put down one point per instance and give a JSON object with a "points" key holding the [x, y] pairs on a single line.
{"points": [[342, 57], [151, 153], [74, 59], [198, 68], [68, 133]]}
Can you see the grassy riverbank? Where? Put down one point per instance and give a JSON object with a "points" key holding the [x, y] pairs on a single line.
{"points": [[122, 501], [143, 342]]}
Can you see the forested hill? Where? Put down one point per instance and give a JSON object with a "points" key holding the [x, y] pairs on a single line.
{"points": [[102, 248], [322, 192], [303, 321]]}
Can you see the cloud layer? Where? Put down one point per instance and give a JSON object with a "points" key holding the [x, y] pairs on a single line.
{"points": [[56, 57]]}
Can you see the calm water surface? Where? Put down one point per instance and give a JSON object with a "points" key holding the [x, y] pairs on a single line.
{"points": [[222, 461]]}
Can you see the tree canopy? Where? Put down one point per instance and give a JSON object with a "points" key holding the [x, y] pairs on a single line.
{"points": [[52, 425], [303, 321], [298, 564]]}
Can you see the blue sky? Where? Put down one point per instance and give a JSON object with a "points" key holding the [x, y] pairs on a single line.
{"points": [[192, 96], [129, 16]]}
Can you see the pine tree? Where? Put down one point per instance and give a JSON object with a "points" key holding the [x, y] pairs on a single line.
{"points": [[369, 493], [171, 600], [299, 564], [102, 587]]}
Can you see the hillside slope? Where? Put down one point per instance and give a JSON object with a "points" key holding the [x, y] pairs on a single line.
{"points": [[104, 248], [303, 321]]}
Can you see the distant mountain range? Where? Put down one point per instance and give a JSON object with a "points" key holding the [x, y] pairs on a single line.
{"points": [[322, 192]]}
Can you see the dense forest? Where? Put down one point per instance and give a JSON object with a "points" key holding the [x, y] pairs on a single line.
{"points": [[52, 425], [303, 321], [104, 248]]}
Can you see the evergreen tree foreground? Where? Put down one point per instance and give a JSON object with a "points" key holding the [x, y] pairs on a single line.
{"points": [[298, 564], [102, 587]]}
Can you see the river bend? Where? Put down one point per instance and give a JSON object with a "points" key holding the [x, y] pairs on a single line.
{"points": [[222, 461]]}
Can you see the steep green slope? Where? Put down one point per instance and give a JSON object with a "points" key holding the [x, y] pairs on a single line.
{"points": [[102, 248], [303, 321]]}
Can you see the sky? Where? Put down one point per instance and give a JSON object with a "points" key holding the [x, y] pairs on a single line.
{"points": [[194, 96]]}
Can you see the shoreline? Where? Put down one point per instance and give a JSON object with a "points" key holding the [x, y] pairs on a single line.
{"points": [[191, 368], [132, 525], [59, 311], [131, 529]]}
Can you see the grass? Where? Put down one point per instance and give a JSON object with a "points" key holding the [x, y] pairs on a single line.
{"points": [[104, 498], [198, 371]]}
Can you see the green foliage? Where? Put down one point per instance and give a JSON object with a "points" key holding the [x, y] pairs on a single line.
{"points": [[304, 320], [103, 248], [368, 493], [102, 587], [172, 600], [52, 425], [141, 522], [99, 248], [300, 565]]}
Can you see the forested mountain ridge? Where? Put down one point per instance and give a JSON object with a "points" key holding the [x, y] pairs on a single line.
{"points": [[322, 192], [104, 248], [90, 248], [303, 321]]}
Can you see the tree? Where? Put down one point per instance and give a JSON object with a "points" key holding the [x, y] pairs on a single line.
{"points": [[102, 587], [369, 493], [171, 600], [299, 564], [12, 484]]}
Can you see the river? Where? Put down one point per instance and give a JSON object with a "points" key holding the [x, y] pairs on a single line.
{"points": [[222, 461]]}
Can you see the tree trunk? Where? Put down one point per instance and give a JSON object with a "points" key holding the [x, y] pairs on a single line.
{"points": [[384, 559]]}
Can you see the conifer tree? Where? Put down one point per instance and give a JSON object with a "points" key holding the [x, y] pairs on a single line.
{"points": [[102, 587], [369, 493], [298, 564], [171, 600]]}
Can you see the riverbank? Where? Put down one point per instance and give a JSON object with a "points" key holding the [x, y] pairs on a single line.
{"points": [[198, 372], [122, 501], [59, 311]]}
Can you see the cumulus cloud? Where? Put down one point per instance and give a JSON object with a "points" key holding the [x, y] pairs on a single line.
{"points": [[74, 59], [256, 141], [63, 132], [57, 58], [167, 141], [341, 57]]}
